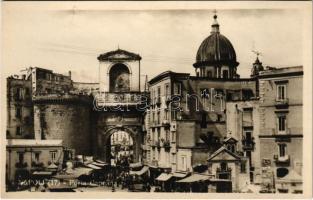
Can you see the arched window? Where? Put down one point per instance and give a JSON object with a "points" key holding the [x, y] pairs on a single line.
{"points": [[119, 78], [225, 73], [281, 172]]}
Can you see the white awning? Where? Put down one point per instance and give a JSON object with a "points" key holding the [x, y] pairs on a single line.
{"points": [[164, 177], [93, 166], [99, 164], [179, 175], [140, 172], [44, 173], [194, 178], [134, 165], [75, 173]]}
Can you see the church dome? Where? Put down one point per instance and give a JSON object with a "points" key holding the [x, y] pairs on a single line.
{"points": [[216, 49]]}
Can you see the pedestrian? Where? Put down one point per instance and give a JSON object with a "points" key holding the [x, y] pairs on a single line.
{"points": [[148, 187]]}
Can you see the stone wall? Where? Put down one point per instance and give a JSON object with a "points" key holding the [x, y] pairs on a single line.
{"points": [[69, 122]]}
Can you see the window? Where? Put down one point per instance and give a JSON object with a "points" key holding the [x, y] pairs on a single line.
{"points": [[173, 158], [223, 166], [184, 163], [281, 92], [282, 150], [231, 147], [174, 114], [243, 167], [178, 88], [173, 136], [153, 117], [165, 115], [282, 124], [18, 130], [18, 112], [167, 90], [20, 157], [19, 93], [225, 73], [53, 155], [159, 132], [209, 74], [203, 120], [37, 156], [158, 117], [281, 172], [159, 91]]}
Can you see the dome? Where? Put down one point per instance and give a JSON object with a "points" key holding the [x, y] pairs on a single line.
{"points": [[216, 49]]}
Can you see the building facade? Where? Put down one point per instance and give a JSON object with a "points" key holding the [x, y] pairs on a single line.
{"points": [[281, 128]]}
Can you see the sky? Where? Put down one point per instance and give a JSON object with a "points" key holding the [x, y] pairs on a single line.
{"points": [[71, 37]]}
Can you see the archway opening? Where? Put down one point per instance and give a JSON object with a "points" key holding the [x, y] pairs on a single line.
{"points": [[121, 149], [119, 78]]}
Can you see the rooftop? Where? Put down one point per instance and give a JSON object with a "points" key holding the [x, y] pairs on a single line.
{"points": [[32, 142]]}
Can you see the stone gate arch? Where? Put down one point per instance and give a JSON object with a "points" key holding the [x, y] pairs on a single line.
{"points": [[106, 143]]}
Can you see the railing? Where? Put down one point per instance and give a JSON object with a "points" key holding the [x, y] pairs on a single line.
{"points": [[113, 99], [248, 145], [37, 165], [227, 170], [166, 123], [158, 101], [21, 165], [282, 101], [167, 145], [282, 159], [154, 143]]}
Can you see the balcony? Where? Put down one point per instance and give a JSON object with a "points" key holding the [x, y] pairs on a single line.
{"points": [[167, 145], [281, 103], [223, 173], [166, 123], [158, 101], [144, 147], [248, 145], [285, 160], [108, 99], [21, 165]]}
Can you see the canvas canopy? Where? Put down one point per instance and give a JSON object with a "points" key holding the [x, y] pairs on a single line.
{"points": [[164, 177], [140, 172], [194, 178]]}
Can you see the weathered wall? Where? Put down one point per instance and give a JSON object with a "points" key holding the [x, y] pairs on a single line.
{"points": [[68, 122], [19, 97], [186, 134], [12, 157], [294, 150]]}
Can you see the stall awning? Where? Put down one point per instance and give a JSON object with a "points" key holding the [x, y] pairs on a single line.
{"points": [[134, 165], [179, 175], [77, 172], [93, 166], [99, 164], [164, 177], [219, 180], [140, 172], [194, 178], [42, 173]]}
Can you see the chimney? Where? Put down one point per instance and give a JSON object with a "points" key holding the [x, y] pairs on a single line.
{"points": [[70, 74]]}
